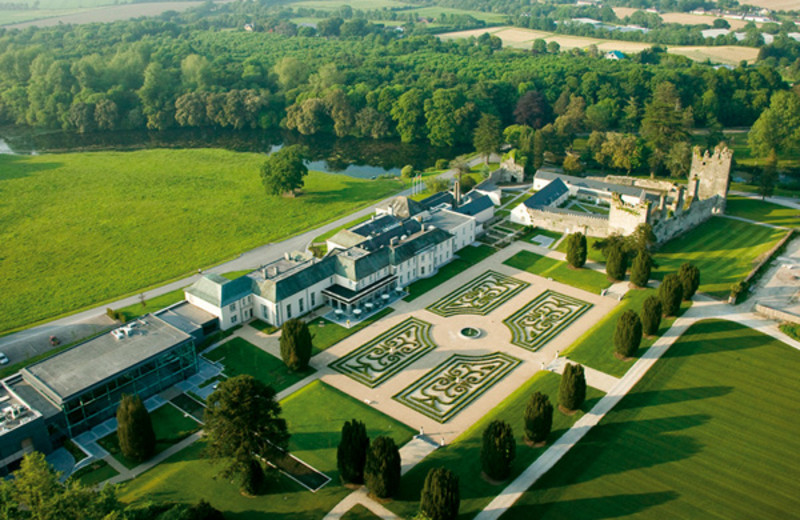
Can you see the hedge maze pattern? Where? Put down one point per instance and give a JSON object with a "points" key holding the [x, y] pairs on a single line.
{"points": [[447, 389], [373, 363], [544, 318], [480, 296]]}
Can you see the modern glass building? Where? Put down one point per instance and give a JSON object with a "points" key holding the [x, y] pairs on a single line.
{"points": [[87, 381]]}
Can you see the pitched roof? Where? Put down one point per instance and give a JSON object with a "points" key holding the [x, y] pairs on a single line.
{"points": [[295, 279], [547, 195], [591, 184], [357, 263], [347, 238], [418, 243], [475, 205], [219, 291], [443, 197], [402, 207]]}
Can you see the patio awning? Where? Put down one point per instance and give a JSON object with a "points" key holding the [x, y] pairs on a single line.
{"points": [[348, 296]]}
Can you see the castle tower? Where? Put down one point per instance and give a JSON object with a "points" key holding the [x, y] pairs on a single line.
{"points": [[713, 172]]}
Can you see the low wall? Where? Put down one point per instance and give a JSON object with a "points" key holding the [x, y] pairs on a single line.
{"points": [[564, 221], [668, 228], [647, 184], [776, 314], [740, 291]]}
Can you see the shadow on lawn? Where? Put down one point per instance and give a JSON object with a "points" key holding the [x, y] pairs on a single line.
{"points": [[19, 166], [659, 397], [595, 508]]}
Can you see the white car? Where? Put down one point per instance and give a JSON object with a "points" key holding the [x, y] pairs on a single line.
{"points": [[3, 359]]}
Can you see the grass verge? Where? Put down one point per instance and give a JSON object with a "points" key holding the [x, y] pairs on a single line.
{"points": [[586, 279], [467, 257], [95, 473], [327, 333]]}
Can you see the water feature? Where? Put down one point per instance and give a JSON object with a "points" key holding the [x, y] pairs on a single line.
{"points": [[362, 158]]}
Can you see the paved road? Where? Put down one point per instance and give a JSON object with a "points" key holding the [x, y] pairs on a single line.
{"points": [[35, 341]]}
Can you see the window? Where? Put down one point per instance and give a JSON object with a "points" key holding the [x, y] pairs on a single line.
{"points": [[233, 307], [264, 311], [289, 310], [301, 305], [313, 299], [422, 270], [234, 318]]}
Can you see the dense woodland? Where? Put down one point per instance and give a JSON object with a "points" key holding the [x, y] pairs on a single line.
{"points": [[351, 77]]}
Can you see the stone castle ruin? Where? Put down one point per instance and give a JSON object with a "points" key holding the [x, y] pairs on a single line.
{"points": [[670, 208]]}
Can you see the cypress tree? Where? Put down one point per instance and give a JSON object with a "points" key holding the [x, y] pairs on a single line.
{"points": [[538, 418], [640, 270], [440, 496], [670, 292], [628, 334], [616, 263], [137, 440], [572, 390], [651, 316], [576, 250], [382, 467], [498, 450], [689, 276], [351, 455], [295, 344]]}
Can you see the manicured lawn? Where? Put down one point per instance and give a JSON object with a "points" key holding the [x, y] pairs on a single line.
{"points": [[239, 356], [463, 455], [329, 333], [595, 347], [95, 473], [763, 211], [467, 257], [170, 425], [592, 254], [359, 512], [586, 279], [263, 326], [84, 228], [724, 250], [315, 416], [709, 432]]}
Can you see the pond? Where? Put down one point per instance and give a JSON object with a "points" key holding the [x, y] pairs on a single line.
{"points": [[363, 158]]}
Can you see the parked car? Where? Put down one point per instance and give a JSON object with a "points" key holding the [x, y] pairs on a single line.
{"points": [[3, 359]]}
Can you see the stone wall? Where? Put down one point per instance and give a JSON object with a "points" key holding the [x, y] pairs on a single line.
{"points": [[776, 314], [713, 172], [624, 218], [666, 227], [565, 221], [645, 184]]}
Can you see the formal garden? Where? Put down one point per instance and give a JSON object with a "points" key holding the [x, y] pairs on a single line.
{"points": [[544, 318], [480, 296]]}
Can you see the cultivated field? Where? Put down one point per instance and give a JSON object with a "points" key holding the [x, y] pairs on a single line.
{"points": [[709, 432], [777, 5], [523, 39], [683, 18], [47, 18], [83, 228]]}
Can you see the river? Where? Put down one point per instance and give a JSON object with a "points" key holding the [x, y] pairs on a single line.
{"points": [[361, 158]]}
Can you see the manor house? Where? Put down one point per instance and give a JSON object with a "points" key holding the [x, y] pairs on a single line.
{"points": [[618, 204]]}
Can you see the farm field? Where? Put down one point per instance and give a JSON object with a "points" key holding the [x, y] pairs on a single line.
{"points": [[102, 12], [523, 39], [85, 228], [315, 416], [685, 18], [724, 250], [710, 431]]}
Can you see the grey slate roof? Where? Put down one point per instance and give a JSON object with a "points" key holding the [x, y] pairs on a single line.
{"points": [[375, 226], [443, 197], [475, 206], [347, 238], [296, 280], [591, 184], [356, 263], [419, 242], [547, 195], [402, 207], [219, 291]]}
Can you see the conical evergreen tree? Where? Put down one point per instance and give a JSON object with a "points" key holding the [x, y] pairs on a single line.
{"points": [[296, 345], [572, 390], [689, 275], [440, 496], [628, 334], [382, 467], [351, 455], [670, 292], [616, 263], [498, 450], [538, 418], [137, 440], [640, 270], [651, 316], [576, 250]]}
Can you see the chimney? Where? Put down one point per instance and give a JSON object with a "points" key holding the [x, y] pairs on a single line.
{"points": [[457, 194]]}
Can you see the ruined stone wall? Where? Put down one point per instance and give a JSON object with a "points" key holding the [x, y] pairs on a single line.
{"points": [[713, 171], [565, 221], [666, 227], [645, 184], [624, 218]]}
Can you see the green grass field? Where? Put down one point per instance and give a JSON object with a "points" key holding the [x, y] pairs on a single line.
{"points": [[463, 455], [724, 250], [330, 333], [315, 416], [242, 357], [359, 512], [586, 279], [592, 254], [595, 348], [85, 228], [170, 426], [709, 432], [762, 211], [467, 257]]}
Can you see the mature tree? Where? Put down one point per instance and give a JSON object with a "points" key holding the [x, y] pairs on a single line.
{"points": [[295, 344], [447, 115], [670, 292], [538, 418], [137, 440], [243, 424], [769, 176], [665, 123], [532, 109], [576, 250], [620, 151], [573, 120], [539, 46], [603, 115], [641, 267], [641, 238], [382, 467], [616, 263], [572, 389], [539, 145], [407, 172], [409, 114], [283, 171], [351, 455], [291, 72], [627, 334], [498, 450], [651, 316], [777, 129], [689, 275], [440, 496], [679, 159], [572, 164], [488, 135]]}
